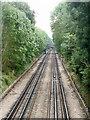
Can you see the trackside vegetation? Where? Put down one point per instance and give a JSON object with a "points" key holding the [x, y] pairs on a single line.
{"points": [[22, 42], [71, 35]]}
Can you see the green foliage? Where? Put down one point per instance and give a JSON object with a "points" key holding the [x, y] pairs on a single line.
{"points": [[70, 26], [6, 81], [18, 38], [24, 7], [42, 37], [21, 40]]}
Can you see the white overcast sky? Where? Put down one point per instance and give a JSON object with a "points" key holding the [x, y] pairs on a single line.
{"points": [[43, 9]]}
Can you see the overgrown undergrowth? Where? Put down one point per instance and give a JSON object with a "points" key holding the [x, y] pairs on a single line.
{"points": [[81, 87], [9, 76]]}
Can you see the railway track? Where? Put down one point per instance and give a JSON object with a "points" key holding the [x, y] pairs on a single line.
{"points": [[56, 100], [60, 109], [23, 100]]}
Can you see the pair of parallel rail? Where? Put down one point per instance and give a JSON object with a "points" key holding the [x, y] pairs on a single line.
{"points": [[56, 74]]}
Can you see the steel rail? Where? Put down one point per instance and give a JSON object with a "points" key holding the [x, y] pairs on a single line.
{"points": [[55, 89], [32, 89], [49, 101], [66, 112], [11, 113], [49, 95], [55, 99]]}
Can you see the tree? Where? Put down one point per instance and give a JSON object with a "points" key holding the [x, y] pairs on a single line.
{"points": [[19, 37], [70, 27], [24, 7]]}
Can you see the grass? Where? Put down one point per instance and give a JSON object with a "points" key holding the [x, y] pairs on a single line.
{"points": [[9, 76], [6, 81]]}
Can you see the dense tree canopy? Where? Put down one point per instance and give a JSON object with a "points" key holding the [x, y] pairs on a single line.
{"points": [[21, 40], [24, 7], [70, 26]]}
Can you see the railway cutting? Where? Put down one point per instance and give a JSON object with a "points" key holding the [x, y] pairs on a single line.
{"points": [[47, 93]]}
